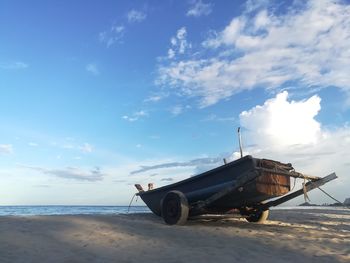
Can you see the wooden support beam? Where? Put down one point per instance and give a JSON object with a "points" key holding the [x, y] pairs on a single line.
{"points": [[308, 186]]}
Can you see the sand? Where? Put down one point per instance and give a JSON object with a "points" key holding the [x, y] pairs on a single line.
{"points": [[290, 236]]}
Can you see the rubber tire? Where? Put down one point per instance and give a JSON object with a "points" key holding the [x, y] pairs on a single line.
{"points": [[175, 208], [259, 217]]}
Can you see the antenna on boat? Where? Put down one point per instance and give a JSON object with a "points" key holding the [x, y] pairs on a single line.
{"points": [[240, 141]]}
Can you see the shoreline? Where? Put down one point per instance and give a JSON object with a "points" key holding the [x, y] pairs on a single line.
{"points": [[38, 210]]}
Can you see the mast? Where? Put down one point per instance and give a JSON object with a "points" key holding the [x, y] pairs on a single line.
{"points": [[240, 141]]}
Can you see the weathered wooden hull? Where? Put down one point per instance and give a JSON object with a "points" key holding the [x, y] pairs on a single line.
{"points": [[261, 185]]}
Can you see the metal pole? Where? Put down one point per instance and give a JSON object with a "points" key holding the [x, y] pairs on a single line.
{"points": [[240, 141]]}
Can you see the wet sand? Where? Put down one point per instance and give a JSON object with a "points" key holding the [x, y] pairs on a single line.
{"points": [[307, 235]]}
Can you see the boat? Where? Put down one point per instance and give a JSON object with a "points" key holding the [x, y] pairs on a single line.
{"points": [[245, 186]]}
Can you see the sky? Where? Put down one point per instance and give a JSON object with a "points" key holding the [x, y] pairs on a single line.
{"points": [[96, 96]]}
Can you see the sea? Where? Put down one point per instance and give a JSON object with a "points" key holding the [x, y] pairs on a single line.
{"points": [[70, 210], [110, 210]]}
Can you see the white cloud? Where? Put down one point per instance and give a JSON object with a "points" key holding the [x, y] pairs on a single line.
{"points": [[181, 34], [173, 41], [308, 44], [92, 68], [171, 53], [210, 80], [179, 109], [214, 117], [116, 32], [157, 96], [261, 20], [199, 8], [154, 98], [86, 148], [282, 123], [33, 144], [195, 163], [129, 118], [140, 113], [279, 124], [117, 29], [68, 146], [252, 5], [6, 149], [182, 42], [176, 110], [287, 131], [72, 145], [158, 172], [112, 36], [135, 116], [15, 65], [74, 173], [179, 44], [136, 16]]}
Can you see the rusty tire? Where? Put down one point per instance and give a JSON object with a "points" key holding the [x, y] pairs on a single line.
{"points": [[175, 208]]}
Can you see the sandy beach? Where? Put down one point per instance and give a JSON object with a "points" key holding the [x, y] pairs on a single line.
{"points": [[305, 235]]}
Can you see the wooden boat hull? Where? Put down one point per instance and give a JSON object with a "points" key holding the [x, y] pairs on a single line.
{"points": [[264, 185]]}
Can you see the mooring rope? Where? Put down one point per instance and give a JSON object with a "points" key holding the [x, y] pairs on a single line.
{"points": [[330, 195], [323, 191], [132, 199]]}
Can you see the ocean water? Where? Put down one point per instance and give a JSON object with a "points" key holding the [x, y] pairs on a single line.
{"points": [[69, 210], [110, 210]]}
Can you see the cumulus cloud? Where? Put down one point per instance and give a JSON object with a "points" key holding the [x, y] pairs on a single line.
{"points": [[199, 8], [178, 44], [288, 131], [282, 123], [136, 16], [171, 53], [308, 44], [252, 5], [74, 173], [6, 148], [92, 68]]}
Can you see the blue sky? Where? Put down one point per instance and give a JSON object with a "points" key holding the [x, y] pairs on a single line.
{"points": [[95, 97]]}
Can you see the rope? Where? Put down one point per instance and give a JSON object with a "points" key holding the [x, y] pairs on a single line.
{"points": [[323, 191], [306, 197], [329, 195], [295, 180], [132, 199]]}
